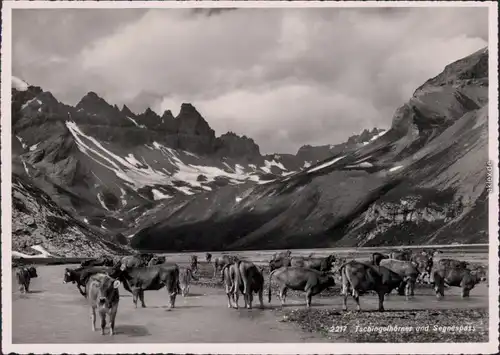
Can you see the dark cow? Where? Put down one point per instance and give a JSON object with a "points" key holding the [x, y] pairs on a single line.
{"points": [[185, 276], [455, 275], [139, 260], [358, 278], [24, 274], [104, 296], [230, 275], [249, 281], [157, 260], [401, 255], [81, 275], [222, 261], [208, 257], [407, 270], [279, 262], [377, 257], [136, 280], [320, 264], [194, 263], [102, 261], [311, 281]]}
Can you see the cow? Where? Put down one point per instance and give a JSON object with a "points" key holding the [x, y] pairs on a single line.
{"points": [[377, 257], [81, 275], [139, 260], [194, 263], [360, 277], [136, 280], [208, 257], [248, 282], [279, 262], [185, 276], [311, 281], [407, 270], [104, 296], [451, 274], [24, 275], [281, 254], [401, 255], [102, 261], [230, 275], [157, 260], [222, 261], [423, 262], [320, 264]]}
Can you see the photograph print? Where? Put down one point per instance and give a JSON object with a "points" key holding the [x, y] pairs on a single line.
{"points": [[226, 177]]}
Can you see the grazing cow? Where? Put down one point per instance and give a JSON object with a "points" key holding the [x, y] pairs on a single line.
{"points": [[320, 264], [104, 296], [102, 261], [407, 270], [230, 275], [423, 262], [24, 275], [311, 281], [136, 280], [360, 277], [401, 255], [185, 276], [453, 274], [222, 261], [279, 262], [81, 275], [194, 263], [208, 257], [377, 257], [248, 282], [157, 260]]}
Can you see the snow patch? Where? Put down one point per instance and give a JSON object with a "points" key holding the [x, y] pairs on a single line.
{"points": [[86, 220], [324, 165], [185, 190], [22, 143], [396, 168], [19, 84], [135, 122], [238, 199], [42, 250], [378, 135], [33, 147], [158, 195], [122, 197], [26, 168], [307, 164], [364, 164], [101, 200], [27, 103]]}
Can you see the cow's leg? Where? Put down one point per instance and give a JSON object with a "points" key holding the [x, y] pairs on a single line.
{"points": [[250, 300], [27, 287], [83, 293], [173, 295], [141, 297], [438, 286], [308, 297], [465, 292], [355, 295], [112, 317], [236, 297], [229, 297], [92, 318], [380, 301], [103, 321], [261, 299], [283, 291], [408, 290], [345, 301], [135, 295]]}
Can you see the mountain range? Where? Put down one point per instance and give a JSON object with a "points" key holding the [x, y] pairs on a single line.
{"points": [[95, 178]]}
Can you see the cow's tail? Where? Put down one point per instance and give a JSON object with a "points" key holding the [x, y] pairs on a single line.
{"points": [[269, 286], [235, 287], [177, 281], [222, 271], [344, 279]]}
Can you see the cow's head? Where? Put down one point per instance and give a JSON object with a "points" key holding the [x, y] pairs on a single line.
{"points": [[32, 271], [377, 257], [480, 274], [69, 276], [107, 292], [329, 280]]}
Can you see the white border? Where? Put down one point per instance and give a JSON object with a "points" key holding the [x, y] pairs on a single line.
{"points": [[240, 348]]}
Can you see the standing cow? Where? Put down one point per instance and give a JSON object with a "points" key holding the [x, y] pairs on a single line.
{"points": [[230, 276], [222, 261], [24, 275], [157, 260], [81, 275], [249, 280], [279, 262], [208, 257], [358, 278], [311, 281], [320, 264], [103, 295], [194, 263], [404, 254], [185, 276], [408, 272], [453, 273]]}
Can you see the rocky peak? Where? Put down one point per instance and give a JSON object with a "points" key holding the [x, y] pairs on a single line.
{"points": [[235, 146], [149, 118], [126, 111], [191, 122]]}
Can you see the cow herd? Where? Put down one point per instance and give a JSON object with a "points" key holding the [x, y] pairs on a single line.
{"points": [[98, 280]]}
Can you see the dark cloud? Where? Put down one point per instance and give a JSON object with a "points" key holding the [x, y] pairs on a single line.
{"points": [[285, 77]]}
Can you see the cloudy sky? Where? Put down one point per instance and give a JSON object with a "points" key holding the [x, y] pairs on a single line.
{"points": [[285, 77]]}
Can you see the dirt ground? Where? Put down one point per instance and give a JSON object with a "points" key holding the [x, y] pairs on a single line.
{"points": [[56, 313]]}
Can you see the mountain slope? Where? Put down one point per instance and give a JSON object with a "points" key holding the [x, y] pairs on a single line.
{"points": [[423, 181]]}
